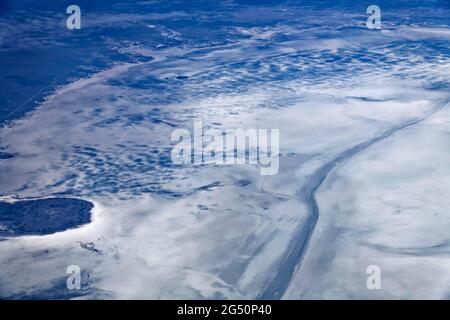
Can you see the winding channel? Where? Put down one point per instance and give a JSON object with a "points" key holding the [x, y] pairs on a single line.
{"points": [[298, 246]]}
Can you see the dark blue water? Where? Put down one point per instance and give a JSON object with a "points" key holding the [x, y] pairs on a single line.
{"points": [[42, 216]]}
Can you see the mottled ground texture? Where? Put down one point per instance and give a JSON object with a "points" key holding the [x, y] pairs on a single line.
{"points": [[364, 149]]}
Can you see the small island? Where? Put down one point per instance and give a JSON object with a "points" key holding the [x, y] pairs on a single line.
{"points": [[42, 216]]}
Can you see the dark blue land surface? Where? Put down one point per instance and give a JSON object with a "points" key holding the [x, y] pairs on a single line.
{"points": [[38, 53], [43, 216]]}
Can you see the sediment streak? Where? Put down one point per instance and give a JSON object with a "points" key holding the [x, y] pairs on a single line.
{"points": [[295, 253]]}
